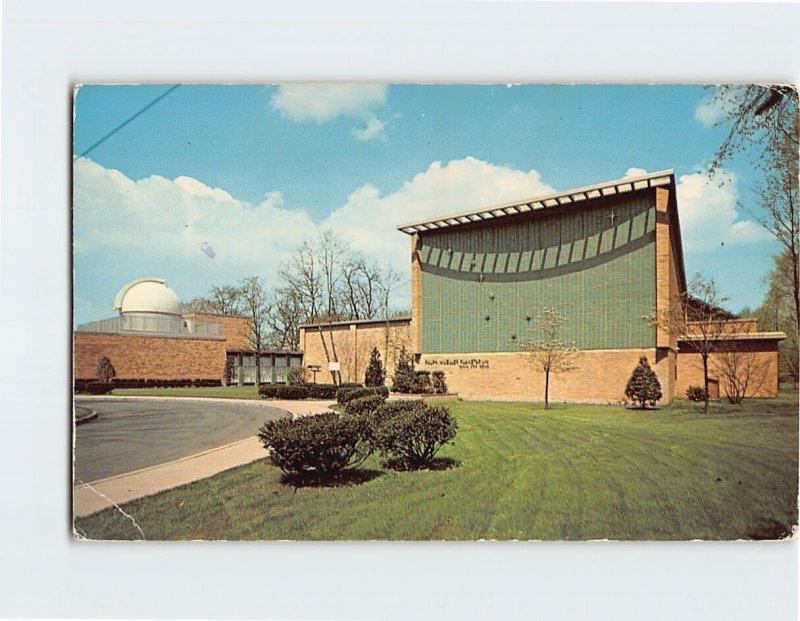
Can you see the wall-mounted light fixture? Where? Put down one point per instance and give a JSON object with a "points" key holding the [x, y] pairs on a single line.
{"points": [[513, 337], [491, 296], [487, 318], [527, 318]]}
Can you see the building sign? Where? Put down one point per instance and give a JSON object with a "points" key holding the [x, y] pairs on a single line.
{"points": [[333, 366], [461, 363]]}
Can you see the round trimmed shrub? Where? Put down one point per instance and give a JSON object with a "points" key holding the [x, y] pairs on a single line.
{"points": [[412, 431], [268, 391], [323, 443], [696, 394]]}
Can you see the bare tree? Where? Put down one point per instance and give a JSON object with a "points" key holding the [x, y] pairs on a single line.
{"points": [[284, 319], [547, 351], [698, 320], [741, 373], [764, 121], [222, 300], [256, 308], [777, 313]]}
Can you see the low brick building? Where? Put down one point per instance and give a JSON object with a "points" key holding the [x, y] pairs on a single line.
{"points": [[152, 340]]}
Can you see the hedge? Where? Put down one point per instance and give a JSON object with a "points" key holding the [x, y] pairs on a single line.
{"points": [[346, 394], [283, 391], [324, 443]]}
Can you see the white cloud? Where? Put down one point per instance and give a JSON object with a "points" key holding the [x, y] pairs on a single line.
{"points": [[369, 220], [180, 221], [715, 106], [634, 172], [373, 129], [325, 102], [708, 214]]}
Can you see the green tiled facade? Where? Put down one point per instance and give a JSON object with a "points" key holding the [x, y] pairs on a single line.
{"points": [[594, 264]]}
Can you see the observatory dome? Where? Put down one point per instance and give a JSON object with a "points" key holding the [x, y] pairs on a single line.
{"points": [[147, 295]]}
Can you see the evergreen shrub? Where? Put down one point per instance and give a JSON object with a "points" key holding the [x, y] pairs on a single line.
{"points": [[322, 391], [323, 443], [363, 406], [438, 383], [404, 380], [643, 386], [412, 431], [375, 375]]}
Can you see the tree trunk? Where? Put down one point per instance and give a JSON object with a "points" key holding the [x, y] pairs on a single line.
{"points": [[796, 283], [705, 381], [546, 389]]}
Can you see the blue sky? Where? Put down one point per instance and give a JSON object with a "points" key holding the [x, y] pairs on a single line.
{"points": [[214, 183]]}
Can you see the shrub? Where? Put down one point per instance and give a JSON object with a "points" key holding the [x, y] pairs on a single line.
{"points": [[322, 391], [404, 377], [283, 391], [375, 375], [696, 394], [413, 431], [643, 386], [422, 382], [345, 395], [98, 388], [438, 384], [268, 391], [324, 443], [228, 372], [105, 370], [297, 376], [363, 406]]}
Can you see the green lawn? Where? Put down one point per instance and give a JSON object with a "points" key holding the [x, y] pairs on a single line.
{"points": [[223, 392], [81, 412], [572, 472]]}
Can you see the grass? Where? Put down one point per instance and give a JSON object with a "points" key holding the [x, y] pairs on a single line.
{"points": [[82, 412], [219, 392], [572, 472]]}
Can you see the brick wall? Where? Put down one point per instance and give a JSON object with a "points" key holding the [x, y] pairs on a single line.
{"points": [[150, 357], [235, 329], [756, 357], [601, 375], [353, 344]]}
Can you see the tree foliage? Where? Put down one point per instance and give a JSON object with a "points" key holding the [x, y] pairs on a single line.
{"points": [[375, 375], [763, 121], [547, 352], [105, 370], [777, 313], [643, 386], [404, 378]]}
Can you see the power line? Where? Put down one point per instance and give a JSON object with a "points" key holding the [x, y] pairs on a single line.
{"points": [[123, 124]]}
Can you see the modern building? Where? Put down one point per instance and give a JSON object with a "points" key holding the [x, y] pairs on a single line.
{"points": [[603, 256], [151, 340]]}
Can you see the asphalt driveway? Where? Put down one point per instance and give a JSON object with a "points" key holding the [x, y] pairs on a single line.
{"points": [[131, 434]]}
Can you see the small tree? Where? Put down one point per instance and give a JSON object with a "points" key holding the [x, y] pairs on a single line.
{"points": [[549, 353], [297, 376], [404, 376], [105, 370], [643, 386], [375, 374]]}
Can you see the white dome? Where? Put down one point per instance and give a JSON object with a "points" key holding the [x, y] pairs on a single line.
{"points": [[147, 295]]}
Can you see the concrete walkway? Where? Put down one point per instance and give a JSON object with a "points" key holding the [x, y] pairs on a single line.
{"points": [[92, 496]]}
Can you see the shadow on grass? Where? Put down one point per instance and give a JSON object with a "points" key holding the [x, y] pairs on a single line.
{"points": [[344, 478], [437, 463], [770, 529]]}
